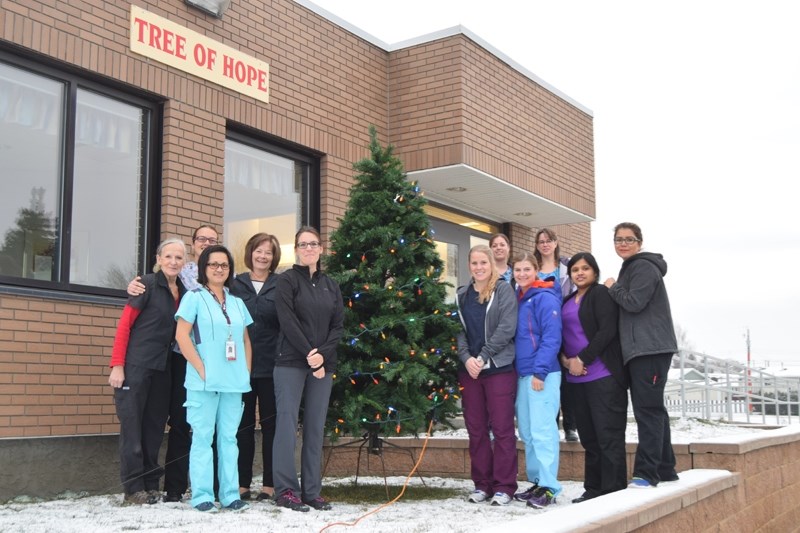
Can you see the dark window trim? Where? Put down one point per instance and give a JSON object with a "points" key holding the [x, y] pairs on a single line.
{"points": [[73, 78], [313, 159]]}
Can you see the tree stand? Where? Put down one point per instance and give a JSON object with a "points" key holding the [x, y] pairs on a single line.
{"points": [[375, 446]]}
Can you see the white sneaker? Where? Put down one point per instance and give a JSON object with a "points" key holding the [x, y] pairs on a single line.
{"points": [[477, 496], [501, 498]]}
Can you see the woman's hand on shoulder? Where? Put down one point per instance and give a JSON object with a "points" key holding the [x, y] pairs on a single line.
{"points": [[609, 282], [135, 287]]}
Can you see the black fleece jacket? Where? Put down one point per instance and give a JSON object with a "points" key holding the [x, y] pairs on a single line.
{"points": [[311, 314]]}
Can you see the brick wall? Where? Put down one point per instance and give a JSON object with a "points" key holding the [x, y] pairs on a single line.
{"points": [[327, 86], [53, 361], [763, 494]]}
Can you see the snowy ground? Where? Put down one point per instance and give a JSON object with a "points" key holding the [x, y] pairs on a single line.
{"points": [[105, 514]]}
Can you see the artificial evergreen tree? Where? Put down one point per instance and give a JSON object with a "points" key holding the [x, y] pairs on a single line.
{"points": [[397, 360]]}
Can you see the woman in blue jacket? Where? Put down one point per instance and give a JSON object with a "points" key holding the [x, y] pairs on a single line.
{"points": [[257, 289], [488, 311], [537, 342]]}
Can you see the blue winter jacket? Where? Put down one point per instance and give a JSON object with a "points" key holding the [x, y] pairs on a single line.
{"points": [[538, 337]]}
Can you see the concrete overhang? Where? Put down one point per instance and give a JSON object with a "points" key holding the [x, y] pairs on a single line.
{"points": [[480, 194]]}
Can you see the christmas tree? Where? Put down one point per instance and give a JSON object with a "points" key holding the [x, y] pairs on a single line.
{"points": [[397, 360]]}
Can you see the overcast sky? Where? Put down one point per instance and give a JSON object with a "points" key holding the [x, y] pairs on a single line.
{"points": [[696, 110]]}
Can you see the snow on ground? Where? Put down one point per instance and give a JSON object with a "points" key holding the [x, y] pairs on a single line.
{"points": [[105, 514]]}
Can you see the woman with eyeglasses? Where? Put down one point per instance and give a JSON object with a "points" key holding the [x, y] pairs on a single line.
{"points": [[648, 343], [140, 375], [311, 315], [553, 266], [179, 439], [258, 289], [212, 334]]}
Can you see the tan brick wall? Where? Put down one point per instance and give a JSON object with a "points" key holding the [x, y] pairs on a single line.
{"points": [[452, 102], [53, 361], [327, 86]]}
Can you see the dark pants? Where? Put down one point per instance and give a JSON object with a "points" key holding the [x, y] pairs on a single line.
{"points": [[601, 413], [179, 440], [567, 406], [488, 403], [263, 393], [142, 408], [655, 460], [293, 385]]}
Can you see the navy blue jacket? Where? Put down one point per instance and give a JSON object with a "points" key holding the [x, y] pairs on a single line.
{"points": [[265, 329]]}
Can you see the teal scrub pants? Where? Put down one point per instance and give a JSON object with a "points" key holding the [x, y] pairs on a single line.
{"points": [[205, 412]]}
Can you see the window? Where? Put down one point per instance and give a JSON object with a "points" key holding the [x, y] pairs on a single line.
{"points": [[76, 162], [267, 189]]}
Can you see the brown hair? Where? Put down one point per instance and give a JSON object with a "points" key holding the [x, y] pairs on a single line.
{"points": [[526, 256], [307, 229], [553, 237], [499, 236], [486, 292], [257, 240], [637, 231], [198, 228]]}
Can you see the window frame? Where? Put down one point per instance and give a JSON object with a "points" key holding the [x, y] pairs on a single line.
{"points": [[310, 196], [150, 177]]}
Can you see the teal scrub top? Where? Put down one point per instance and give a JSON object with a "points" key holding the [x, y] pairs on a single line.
{"points": [[210, 332]]}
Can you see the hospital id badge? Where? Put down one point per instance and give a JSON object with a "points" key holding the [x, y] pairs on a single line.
{"points": [[230, 350]]}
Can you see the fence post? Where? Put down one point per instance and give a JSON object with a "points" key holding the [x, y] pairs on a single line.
{"points": [[729, 393], [683, 385], [706, 391]]}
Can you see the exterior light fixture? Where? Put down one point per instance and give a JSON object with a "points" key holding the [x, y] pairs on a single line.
{"points": [[523, 214], [456, 189], [215, 8]]}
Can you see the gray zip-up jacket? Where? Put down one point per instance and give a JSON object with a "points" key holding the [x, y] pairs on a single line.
{"points": [[645, 319], [500, 326]]}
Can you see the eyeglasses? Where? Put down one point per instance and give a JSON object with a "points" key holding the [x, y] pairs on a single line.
{"points": [[548, 241], [210, 240], [625, 240], [313, 245], [218, 266]]}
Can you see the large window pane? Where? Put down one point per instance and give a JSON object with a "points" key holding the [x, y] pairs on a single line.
{"points": [[263, 192], [31, 118], [106, 189]]}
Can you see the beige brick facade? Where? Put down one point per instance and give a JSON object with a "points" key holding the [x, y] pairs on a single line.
{"points": [[443, 102]]}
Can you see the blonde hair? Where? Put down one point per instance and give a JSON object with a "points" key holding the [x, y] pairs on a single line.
{"points": [[485, 293]]}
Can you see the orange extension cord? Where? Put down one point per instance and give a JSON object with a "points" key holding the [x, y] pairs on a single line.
{"points": [[403, 491]]}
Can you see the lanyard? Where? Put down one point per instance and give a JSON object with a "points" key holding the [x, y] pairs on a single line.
{"points": [[221, 305]]}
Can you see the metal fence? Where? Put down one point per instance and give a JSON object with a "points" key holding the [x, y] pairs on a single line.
{"points": [[717, 389]]}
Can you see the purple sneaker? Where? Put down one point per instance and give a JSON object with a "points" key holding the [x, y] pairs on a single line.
{"points": [[319, 504], [526, 494], [542, 498], [290, 501]]}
